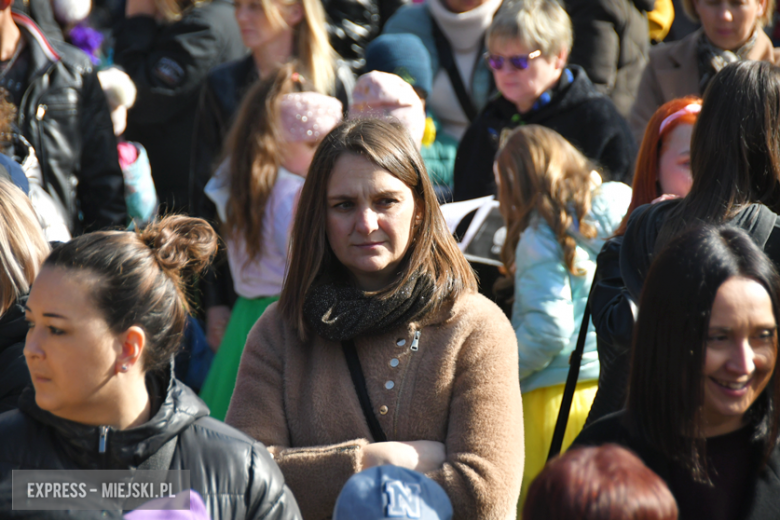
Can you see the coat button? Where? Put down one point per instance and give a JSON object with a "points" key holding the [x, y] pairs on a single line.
{"points": [[383, 409], [401, 342], [394, 362], [389, 385]]}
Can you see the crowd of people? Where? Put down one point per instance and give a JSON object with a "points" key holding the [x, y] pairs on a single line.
{"points": [[226, 247]]}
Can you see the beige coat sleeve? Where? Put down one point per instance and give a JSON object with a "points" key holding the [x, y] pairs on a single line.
{"points": [[257, 409], [485, 441]]}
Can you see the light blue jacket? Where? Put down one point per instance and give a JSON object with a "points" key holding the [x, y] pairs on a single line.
{"points": [[416, 19], [549, 300]]}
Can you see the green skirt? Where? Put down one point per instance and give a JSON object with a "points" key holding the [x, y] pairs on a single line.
{"points": [[218, 387]]}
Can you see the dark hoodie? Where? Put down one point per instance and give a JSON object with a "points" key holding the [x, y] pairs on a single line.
{"points": [[586, 118], [235, 475], [14, 375]]}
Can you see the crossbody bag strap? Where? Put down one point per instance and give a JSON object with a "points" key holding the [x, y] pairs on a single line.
{"points": [[359, 381], [571, 383], [448, 63]]}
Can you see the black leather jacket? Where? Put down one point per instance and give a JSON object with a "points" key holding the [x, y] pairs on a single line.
{"points": [[234, 474], [14, 375], [65, 115]]}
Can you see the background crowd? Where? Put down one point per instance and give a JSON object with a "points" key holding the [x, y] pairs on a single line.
{"points": [[227, 246]]}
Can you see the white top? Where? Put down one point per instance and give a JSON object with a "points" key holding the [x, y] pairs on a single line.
{"points": [[464, 31], [263, 276]]}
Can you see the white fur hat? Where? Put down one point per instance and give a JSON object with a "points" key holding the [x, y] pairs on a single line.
{"points": [[69, 12], [118, 87]]}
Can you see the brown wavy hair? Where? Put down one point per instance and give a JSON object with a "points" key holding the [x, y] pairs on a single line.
{"points": [[538, 170], [432, 250], [140, 278], [252, 149]]}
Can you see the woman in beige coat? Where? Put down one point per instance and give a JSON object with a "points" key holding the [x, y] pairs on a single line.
{"points": [[376, 280], [730, 31]]}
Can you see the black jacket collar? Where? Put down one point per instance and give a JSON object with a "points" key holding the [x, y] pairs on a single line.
{"points": [[80, 443]]}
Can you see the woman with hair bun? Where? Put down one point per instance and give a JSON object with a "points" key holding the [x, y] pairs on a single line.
{"points": [[106, 315]]}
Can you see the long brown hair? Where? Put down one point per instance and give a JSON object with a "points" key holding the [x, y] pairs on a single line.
{"points": [[254, 156], [538, 170], [645, 186], [311, 46], [432, 249]]}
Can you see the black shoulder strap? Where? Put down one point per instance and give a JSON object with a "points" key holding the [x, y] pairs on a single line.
{"points": [[571, 382], [359, 380], [448, 63], [763, 226]]}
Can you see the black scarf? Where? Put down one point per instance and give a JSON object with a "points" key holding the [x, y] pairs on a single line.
{"points": [[336, 310]]}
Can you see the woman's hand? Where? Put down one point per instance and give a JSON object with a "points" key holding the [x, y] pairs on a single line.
{"points": [[422, 456], [217, 318], [665, 196], [141, 8]]}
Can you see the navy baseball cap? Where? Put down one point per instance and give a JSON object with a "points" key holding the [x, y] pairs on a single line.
{"points": [[391, 492]]}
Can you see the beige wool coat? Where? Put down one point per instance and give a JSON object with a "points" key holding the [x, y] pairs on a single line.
{"points": [[460, 387], [673, 72]]}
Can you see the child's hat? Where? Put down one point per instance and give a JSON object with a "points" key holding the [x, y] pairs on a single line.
{"points": [[381, 95], [405, 56], [392, 492], [309, 116]]}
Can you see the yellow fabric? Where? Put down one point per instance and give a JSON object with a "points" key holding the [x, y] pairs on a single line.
{"points": [[429, 135], [540, 411], [660, 19]]}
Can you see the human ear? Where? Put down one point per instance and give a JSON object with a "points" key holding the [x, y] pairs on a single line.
{"points": [[562, 59], [133, 344]]}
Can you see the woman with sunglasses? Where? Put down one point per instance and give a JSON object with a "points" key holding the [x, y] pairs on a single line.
{"points": [[528, 45]]}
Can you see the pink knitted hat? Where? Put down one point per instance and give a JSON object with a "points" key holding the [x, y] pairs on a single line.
{"points": [[383, 95], [308, 116]]}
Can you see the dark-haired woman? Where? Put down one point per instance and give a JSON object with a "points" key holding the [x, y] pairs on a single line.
{"points": [[703, 389], [105, 316], [377, 291], [735, 164]]}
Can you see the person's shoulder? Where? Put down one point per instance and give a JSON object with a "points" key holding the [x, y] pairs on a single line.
{"points": [[72, 57], [609, 203], [213, 12], [609, 429], [18, 432], [473, 313], [672, 54], [411, 18]]}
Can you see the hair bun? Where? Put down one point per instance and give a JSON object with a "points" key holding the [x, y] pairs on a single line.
{"points": [[180, 244]]}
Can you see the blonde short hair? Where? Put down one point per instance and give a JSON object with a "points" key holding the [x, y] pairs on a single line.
{"points": [[538, 24], [763, 20], [23, 247]]}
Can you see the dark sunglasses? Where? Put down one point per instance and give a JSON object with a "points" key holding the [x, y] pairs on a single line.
{"points": [[496, 62]]}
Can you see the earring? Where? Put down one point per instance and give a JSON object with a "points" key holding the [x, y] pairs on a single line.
{"points": [[124, 368]]}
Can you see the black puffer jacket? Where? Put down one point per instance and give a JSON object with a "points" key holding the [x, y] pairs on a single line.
{"points": [[65, 115], [611, 43], [585, 117], [14, 375], [235, 474]]}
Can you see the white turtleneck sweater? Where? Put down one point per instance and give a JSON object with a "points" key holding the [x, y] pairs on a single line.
{"points": [[465, 32]]}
